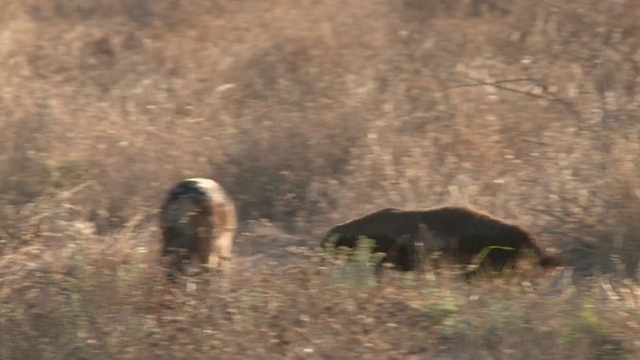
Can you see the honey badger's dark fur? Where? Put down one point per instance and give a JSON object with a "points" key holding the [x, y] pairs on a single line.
{"points": [[198, 222], [460, 233]]}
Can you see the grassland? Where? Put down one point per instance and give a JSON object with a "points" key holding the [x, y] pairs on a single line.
{"points": [[309, 113]]}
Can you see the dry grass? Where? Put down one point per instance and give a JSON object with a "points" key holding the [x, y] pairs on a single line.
{"points": [[310, 113]]}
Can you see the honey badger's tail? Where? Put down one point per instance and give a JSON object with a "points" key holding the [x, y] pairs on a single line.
{"points": [[545, 259], [550, 260]]}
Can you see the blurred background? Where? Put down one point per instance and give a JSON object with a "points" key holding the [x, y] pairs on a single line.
{"points": [[312, 112]]}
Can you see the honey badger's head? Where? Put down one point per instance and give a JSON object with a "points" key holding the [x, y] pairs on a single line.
{"points": [[398, 250], [334, 238]]}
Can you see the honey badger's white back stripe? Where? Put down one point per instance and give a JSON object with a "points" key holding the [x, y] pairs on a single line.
{"points": [[223, 233], [216, 193], [213, 190]]}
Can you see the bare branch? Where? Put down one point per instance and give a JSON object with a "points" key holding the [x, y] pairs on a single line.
{"points": [[546, 95]]}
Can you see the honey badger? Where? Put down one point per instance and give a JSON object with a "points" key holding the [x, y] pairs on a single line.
{"points": [[459, 233], [198, 221]]}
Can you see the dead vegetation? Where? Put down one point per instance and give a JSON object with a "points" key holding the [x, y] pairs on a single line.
{"points": [[310, 113]]}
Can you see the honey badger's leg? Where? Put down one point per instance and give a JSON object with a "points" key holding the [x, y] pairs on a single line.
{"points": [[204, 230], [177, 233], [227, 219], [220, 224]]}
